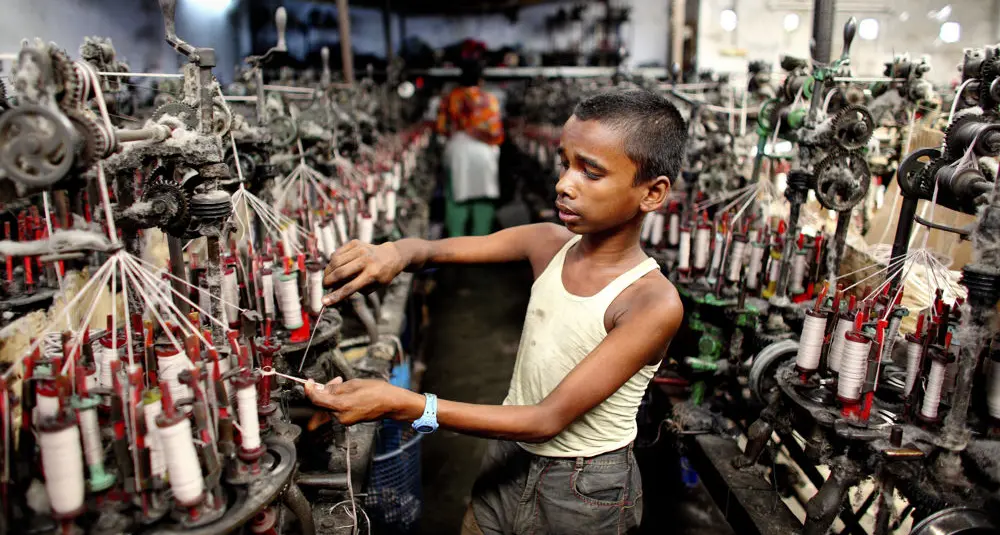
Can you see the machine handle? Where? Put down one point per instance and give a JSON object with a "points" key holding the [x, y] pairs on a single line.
{"points": [[850, 30], [281, 21]]}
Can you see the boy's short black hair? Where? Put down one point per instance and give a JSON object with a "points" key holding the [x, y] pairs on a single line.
{"points": [[653, 131]]}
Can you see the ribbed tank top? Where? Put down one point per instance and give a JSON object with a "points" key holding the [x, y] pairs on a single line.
{"points": [[560, 330]]}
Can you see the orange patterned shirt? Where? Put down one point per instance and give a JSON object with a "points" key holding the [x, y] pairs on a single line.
{"points": [[471, 108]]}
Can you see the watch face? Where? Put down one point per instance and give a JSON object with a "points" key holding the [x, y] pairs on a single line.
{"points": [[423, 428]]}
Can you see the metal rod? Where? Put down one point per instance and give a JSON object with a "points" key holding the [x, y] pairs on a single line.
{"points": [[177, 269], [837, 246], [346, 54], [289, 89], [141, 74], [824, 12], [901, 243]]}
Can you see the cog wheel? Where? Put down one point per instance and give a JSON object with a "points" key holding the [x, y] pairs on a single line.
{"points": [[160, 185], [911, 172], [853, 126], [66, 79], [842, 180], [927, 174], [4, 104], [957, 136], [247, 166], [222, 118], [990, 71], [94, 143], [186, 114], [36, 145]]}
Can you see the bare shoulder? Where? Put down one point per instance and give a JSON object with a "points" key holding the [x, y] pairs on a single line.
{"points": [[652, 300], [542, 241]]}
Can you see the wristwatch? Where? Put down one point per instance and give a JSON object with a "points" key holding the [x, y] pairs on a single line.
{"points": [[428, 423]]}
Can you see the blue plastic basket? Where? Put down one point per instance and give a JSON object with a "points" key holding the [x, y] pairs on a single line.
{"points": [[394, 500]]}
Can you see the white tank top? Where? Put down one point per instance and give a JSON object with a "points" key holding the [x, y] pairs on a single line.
{"points": [[560, 330]]}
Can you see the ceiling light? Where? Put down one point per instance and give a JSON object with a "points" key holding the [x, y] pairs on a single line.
{"points": [[791, 22], [951, 32], [868, 29], [940, 15], [904, 16], [728, 20]]}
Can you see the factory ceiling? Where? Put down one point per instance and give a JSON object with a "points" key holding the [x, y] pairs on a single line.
{"points": [[450, 7]]}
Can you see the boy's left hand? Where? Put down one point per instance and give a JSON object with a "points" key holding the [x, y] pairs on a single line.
{"points": [[360, 400]]}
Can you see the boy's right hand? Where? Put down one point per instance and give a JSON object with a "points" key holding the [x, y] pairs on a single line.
{"points": [[358, 265]]}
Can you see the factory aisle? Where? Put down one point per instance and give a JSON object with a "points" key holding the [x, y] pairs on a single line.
{"points": [[476, 316]]}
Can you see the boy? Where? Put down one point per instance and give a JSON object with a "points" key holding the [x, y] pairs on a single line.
{"points": [[599, 321]]}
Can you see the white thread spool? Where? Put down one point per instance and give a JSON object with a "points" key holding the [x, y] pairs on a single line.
{"points": [[267, 288], [369, 183], [684, 255], [329, 238], [798, 272], [397, 175], [320, 243], [993, 391], [659, 221], [811, 341], [390, 206], [752, 235], [93, 380], [315, 283], [756, 265], [158, 463], [231, 295], [373, 207], [46, 404], [340, 220], [246, 399], [775, 271], [646, 233], [932, 393], [914, 350], [106, 355], [170, 363], [674, 232], [182, 461], [836, 354], [366, 228], [288, 300], [736, 259], [702, 239], [853, 367], [62, 462], [90, 433], [717, 253]]}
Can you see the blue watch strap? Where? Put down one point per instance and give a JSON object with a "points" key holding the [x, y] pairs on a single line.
{"points": [[428, 421]]}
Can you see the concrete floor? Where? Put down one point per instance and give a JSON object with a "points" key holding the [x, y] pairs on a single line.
{"points": [[476, 317]]}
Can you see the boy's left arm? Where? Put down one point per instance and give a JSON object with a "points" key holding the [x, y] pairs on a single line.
{"points": [[639, 336]]}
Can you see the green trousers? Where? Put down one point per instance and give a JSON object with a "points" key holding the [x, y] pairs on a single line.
{"points": [[456, 215]]}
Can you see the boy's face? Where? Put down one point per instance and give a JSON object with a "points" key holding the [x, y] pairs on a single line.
{"points": [[596, 190]]}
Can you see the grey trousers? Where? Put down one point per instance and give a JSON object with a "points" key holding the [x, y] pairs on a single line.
{"points": [[518, 493]]}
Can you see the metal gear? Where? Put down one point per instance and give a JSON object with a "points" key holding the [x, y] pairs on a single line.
{"points": [[186, 114], [66, 79], [160, 185], [4, 104], [960, 133], [247, 166], [842, 180], [989, 72], [222, 118], [93, 139], [36, 145], [927, 174], [911, 172], [853, 126]]}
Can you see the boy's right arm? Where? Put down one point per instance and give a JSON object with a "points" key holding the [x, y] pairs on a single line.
{"points": [[357, 265]]}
